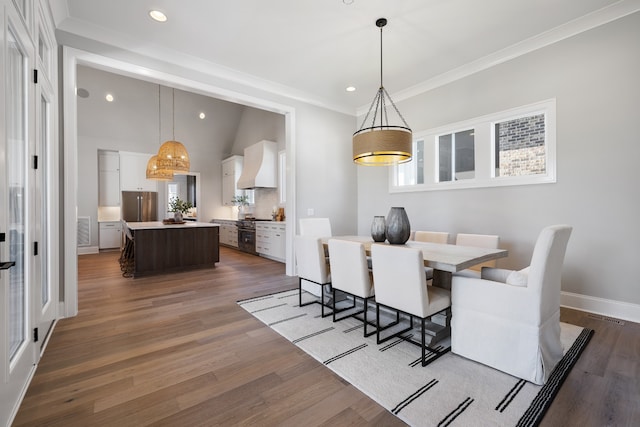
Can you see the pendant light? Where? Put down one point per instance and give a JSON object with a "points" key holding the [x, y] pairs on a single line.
{"points": [[382, 144], [153, 171], [172, 155]]}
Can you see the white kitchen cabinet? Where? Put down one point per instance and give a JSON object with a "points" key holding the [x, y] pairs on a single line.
{"points": [[133, 172], [231, 170], [110, 234], [270, 240], [228, 232], [108, 178]]}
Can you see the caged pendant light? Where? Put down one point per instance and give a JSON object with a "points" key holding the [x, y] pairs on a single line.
{"points": [[153, 171], [172, 155], [382, 144]]}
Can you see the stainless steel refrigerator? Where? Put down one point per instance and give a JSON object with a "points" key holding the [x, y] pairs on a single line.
{"points": [[139, 206]]}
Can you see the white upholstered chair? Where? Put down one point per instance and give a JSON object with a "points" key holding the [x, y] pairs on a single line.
{"points": [[513, 326], [312, 268], [315, 227], [400, 284], [480, 241], [431, 237], [350, 274]]}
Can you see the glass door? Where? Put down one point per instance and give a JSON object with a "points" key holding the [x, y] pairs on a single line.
{"points": [[18, 350]]}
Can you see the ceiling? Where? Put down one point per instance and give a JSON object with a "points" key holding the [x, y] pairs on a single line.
{"points": [[313, 49]]}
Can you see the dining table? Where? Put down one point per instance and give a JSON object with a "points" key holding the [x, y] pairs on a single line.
{"points": [[445, 259]]}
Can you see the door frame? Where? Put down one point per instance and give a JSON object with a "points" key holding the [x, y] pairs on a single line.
{"points": [[71, 58]]}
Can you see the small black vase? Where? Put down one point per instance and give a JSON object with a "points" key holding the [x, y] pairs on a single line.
{"points": [[398, 228], [378, 232]]}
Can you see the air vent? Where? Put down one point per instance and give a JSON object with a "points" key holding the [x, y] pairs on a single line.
{"points": [[606, 319], [84, 231]]}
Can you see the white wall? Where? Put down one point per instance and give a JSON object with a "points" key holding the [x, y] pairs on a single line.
{"points": [[594, 78]]}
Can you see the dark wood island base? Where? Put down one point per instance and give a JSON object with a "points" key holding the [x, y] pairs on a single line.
{"points": [[158, 248]]}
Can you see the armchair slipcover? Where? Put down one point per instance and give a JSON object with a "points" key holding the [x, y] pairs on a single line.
{"points": [[513, 326]]}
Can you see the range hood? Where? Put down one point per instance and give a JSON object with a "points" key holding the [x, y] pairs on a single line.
{"points": [[259, 169]]}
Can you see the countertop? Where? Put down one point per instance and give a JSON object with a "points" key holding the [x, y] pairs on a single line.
{"points": [[151, 225]]}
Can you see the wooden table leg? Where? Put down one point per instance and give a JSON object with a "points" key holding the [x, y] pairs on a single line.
{"points": [[442, 279]]}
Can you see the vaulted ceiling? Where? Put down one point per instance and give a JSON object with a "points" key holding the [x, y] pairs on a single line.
{"points": [[314, 49]]}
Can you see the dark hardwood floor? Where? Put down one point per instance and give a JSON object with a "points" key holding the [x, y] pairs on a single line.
{"points": [[176, 350]]}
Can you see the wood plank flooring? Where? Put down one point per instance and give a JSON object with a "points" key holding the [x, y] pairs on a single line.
{"points": [[176, 350]]}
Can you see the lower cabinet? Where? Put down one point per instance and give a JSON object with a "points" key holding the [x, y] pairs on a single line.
{"points": [[228, 232], [110, 234], [270, 240]]}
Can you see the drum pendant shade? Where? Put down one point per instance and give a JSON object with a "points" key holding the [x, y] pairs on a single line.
{"points": [[382, 144]]}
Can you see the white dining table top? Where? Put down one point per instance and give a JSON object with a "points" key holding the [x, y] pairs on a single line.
{"points": [[439, 256]]}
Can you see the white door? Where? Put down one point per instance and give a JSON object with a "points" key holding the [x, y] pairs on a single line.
{"points": [[44, 293], [17, 347]]}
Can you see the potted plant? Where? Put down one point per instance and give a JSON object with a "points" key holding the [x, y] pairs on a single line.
{"points": [[240, 202], [179, 208]]}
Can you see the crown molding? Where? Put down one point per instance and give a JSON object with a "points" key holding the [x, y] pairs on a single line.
{"points": [[587, 22]]}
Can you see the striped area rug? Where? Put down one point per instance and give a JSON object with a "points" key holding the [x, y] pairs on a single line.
{"points": [[451, 391]]}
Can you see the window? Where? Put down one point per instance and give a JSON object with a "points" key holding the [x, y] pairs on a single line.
{"points": [[520, 146], [512, 147], [412, 173], [456, 153]]}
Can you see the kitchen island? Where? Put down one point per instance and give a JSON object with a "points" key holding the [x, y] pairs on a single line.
{"points": [[155, 248]]}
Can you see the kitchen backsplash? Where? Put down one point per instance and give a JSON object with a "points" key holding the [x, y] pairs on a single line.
{"points": [[265, 200]]}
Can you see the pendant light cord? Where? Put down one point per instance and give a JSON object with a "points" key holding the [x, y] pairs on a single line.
{"points": [[173, 112]]}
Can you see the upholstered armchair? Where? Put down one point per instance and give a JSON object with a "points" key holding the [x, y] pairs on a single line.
{"points": [[510, 320]]}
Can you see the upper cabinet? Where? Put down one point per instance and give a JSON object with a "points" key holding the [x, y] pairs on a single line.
{"points": [[133, 172], [108, 178], [231, 170]]}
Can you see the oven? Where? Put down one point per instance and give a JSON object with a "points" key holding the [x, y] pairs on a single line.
{"points": [[247, 236]]}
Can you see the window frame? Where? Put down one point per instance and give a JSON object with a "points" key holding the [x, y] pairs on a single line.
{"points": [[484, 152]]}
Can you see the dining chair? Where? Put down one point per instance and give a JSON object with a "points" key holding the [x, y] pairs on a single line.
{"points": [[510, 320], [350, 275], [431, 237], [401, 287], [315, 227], [480, 241], [313, 269]]}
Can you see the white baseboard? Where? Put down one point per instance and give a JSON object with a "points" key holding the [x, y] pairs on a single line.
{"points": [[84, 250], [605, 307]]}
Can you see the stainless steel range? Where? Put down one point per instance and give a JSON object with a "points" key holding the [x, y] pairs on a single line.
{"points": [[247, 235]]}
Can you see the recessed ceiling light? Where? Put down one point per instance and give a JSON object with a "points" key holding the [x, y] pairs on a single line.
{"points": [[351, 89], [109, 97], [156, 15], [202, 115]]}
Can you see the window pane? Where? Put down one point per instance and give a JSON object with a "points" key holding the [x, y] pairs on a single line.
{"points": [[520, 146], [418, 158], [445, 155], [15, 83], [465, 154], [412, 173]]}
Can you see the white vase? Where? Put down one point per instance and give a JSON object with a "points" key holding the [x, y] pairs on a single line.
{"points": [[177, 217]]}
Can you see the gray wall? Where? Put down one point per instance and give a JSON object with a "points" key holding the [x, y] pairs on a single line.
{"points": [[594, 78]]}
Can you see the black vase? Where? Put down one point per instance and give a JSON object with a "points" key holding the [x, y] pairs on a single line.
{"points": [[378, 232], [398, 228]]}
